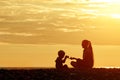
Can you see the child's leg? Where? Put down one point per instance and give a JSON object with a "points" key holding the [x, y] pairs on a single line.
{"points": [[65, 67]]}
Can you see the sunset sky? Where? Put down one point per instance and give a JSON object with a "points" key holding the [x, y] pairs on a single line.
{"points": [[32, 31]]}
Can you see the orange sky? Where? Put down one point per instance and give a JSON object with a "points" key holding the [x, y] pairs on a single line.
{"points": [[32, 30]]}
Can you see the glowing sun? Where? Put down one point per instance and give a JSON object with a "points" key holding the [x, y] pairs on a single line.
{"points": [[105, 0], [78, 1]]}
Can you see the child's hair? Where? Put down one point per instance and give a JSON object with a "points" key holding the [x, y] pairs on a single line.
{"points": [[61, 53]]}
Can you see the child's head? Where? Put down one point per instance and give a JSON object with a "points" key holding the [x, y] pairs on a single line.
{"points": [[61, 53]]}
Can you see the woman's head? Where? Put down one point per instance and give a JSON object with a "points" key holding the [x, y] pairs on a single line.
{"points": [[86, 44]]}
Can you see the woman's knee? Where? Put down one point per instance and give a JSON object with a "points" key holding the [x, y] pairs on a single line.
{"points": [[73, 63]]}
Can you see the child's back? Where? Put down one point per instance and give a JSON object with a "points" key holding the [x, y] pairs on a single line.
{"points": [[59, 63]]}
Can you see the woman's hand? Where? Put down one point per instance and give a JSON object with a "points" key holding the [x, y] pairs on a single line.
{"points": [[73, 58]]}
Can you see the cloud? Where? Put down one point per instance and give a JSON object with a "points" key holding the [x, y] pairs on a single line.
{"points": [[17, 34], [40, 28], [2, 19], [69, 30], [29, 22], [5, 2]]}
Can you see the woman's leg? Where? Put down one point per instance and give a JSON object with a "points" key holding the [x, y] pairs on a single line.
{"points": [[74, 64]]}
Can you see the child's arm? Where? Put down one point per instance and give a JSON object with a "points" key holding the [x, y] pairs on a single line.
{"points": [[65, 59]]}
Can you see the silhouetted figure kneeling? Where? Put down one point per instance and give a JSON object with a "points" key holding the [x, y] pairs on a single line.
{"points": [[60, 60], [88, 60]]}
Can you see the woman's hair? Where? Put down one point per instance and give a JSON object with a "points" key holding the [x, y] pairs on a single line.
{"points": [[86, 43]]}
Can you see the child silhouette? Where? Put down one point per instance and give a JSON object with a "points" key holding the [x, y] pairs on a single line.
{"points": [[60, 60]]}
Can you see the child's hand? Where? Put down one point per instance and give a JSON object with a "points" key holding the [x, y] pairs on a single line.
{"points": [[66, 56]]}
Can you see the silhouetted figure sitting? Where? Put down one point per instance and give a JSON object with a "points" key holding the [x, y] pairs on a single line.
{"points": [[60, 60], [88, 61]]}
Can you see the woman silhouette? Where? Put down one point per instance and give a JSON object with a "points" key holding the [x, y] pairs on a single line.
{"points": [[88, 61]]}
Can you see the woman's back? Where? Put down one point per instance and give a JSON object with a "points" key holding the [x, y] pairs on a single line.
{"points": [[88, 58]]}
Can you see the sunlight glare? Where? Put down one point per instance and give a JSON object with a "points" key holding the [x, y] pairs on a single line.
{"points": [[75, 1], [115, 16], [67, 0], [79, 1], [105, 1], [112, 67]]}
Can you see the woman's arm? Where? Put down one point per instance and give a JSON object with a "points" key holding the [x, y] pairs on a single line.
{"points": [[73, 58]]}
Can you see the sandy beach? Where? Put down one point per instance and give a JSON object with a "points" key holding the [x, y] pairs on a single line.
{"points": [[53, 74]]}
